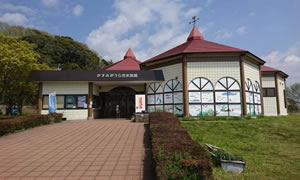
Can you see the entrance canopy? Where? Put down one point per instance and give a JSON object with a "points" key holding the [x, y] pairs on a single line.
{"points": [[126, 76]]}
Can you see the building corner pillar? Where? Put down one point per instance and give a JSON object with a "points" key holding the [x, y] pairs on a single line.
{"points": [[261, 93], [90, 101], [277, 94], [185, 87], [242, 76], [40, 97]]}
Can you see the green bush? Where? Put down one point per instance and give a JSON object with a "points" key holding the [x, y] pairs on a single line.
{"points": [[12, 124], [175, 154]]}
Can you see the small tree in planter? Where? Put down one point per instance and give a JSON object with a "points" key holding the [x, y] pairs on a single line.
{"points": [[227, 160]]}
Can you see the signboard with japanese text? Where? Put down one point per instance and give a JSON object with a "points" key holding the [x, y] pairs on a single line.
{"points": [[140, 103]]}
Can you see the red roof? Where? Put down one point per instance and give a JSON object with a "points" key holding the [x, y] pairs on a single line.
{"points": [[129, 63], [195, 43], [270, 69]]}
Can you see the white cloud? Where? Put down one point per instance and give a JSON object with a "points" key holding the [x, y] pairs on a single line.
{"points": [[78, 10], [16, 8], [149, 27], [251, 14], [242, 30], [286, 60], [192, 12], [14, 19], [223, 35], [49, 3], [292, 59]]}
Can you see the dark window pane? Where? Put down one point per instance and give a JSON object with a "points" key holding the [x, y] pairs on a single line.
{"points": [[45, 102], [269, 92], [70, 101]]}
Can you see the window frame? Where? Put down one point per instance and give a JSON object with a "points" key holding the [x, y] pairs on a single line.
{"points": [[154, 93], [200, 90], [266, 94], [173, 90], [227, 89], [65, 95], [254, 91]]}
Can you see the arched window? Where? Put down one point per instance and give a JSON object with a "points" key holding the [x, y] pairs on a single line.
{"points": [[257, 98], [253, 99], [155, 97], [228, 97], [201, 97], [173, 98]]}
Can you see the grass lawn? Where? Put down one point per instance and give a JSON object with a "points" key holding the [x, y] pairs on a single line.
{"points": [[269, 145]]}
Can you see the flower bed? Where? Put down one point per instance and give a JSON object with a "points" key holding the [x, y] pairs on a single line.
{"points": [[175, 154], [11, 125]]}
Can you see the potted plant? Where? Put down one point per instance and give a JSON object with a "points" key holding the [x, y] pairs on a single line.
{"points": [[227, 160]]}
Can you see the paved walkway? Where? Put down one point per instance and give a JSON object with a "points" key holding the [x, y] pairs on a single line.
{"points": [[95, 149]]}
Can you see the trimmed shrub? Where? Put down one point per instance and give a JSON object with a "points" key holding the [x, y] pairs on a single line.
{"points": [[17, 123], [175, 154]]}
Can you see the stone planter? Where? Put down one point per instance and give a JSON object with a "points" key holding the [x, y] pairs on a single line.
{"points": [[142, 117], [233, 166]]}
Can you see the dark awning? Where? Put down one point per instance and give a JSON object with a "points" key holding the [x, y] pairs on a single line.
{"points": [[144, 75]]}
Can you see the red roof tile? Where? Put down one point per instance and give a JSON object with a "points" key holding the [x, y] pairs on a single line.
{"points": [[195, 43], [267, 68], [129, 63], [270, 69]]}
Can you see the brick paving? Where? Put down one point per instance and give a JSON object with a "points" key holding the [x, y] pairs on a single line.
{"points": [[95, 149]]}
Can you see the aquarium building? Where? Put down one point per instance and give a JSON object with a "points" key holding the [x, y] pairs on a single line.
{"points": [[195, 78]]}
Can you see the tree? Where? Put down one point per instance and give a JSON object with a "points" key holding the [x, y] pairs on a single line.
{"points": [[17, 60], [57, 51], [63, 51], [294, 92]]}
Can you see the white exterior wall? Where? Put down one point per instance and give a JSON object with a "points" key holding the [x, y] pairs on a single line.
{"points": [[171, 72], [268, 82], [71, 114], [251, 72], [281, 87], [213, 70], [270, 107], [270, 104], [65, 88]]}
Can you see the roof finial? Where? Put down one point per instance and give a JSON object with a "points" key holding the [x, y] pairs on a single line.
{"points": [[195, 19]]}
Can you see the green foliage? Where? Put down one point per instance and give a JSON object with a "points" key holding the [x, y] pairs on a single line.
{"points": [[294, 92], [221, 154], [17, 60], [18, 31], [269, 145], [58, 50], [11, 125], [63, 51], [175, 154]]}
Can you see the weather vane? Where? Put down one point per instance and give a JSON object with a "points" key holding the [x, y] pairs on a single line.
{"points": [[194, 20]]}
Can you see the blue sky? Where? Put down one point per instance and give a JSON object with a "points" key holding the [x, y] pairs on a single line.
{"points": [[268, 28]]}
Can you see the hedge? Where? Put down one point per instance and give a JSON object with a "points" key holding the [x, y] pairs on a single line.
{"points": [[175, 154], [17, 123]]}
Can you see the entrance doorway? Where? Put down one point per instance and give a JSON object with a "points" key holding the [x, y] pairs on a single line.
{"points": [[123, 97]]}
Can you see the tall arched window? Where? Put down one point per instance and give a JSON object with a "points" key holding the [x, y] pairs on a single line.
{"points": [[228, 97], [155, 97], [201, 97], [173, 98], [253, 99], [257, 98]]}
